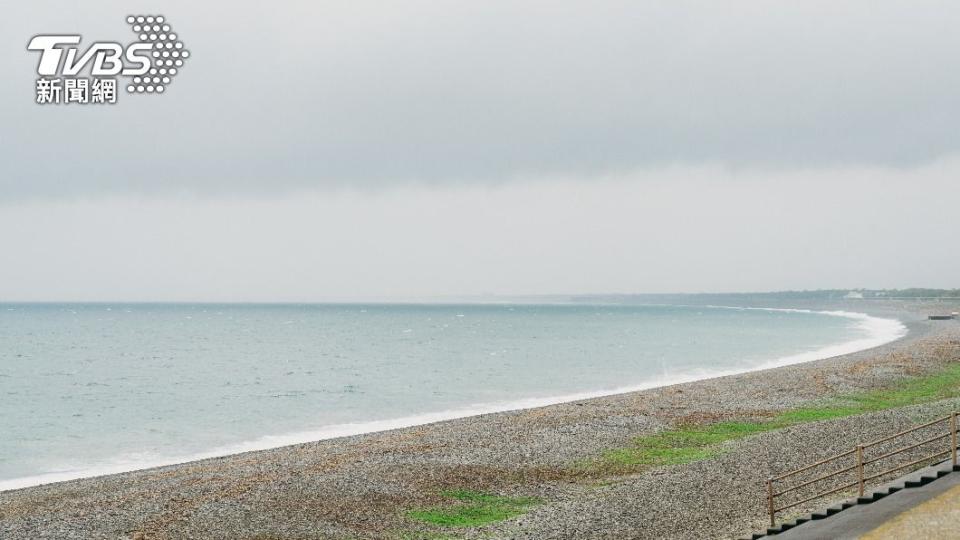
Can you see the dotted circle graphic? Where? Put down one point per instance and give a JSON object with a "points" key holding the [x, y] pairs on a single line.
{"points": [[167, 52]]}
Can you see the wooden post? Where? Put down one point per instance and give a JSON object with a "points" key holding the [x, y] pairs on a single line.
{"points": [[953, 439], [770, 506], [860, 468]]}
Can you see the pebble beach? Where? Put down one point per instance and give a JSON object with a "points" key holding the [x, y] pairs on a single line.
{"points": [[363, 486]]}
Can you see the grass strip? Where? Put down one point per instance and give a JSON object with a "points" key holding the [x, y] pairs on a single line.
{"points": [[473, 508], [685, 444]]}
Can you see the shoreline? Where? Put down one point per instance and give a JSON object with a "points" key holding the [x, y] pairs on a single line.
{"points": [[884, 330], [362, 486]]}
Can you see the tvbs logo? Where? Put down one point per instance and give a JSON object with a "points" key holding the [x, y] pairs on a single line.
{"points": [[107, 57], [148, 64]]}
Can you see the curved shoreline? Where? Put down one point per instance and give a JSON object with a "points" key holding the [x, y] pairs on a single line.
{"points": [[362, 486], [884, 330]]}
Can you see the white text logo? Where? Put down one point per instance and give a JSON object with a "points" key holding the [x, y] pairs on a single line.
{"points": [[149, 63]]}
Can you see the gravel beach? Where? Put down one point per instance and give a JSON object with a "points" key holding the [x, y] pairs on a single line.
{"points": [[361, 487]]}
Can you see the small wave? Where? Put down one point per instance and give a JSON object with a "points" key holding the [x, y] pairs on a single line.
{"points": [[879, 332]]}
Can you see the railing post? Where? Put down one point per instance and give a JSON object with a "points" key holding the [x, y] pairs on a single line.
{"points": [[953, 438], [860, 468], [770, 506]]}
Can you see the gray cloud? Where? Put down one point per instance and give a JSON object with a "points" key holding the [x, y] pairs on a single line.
{"points": [[666, 231], [299, 94]]}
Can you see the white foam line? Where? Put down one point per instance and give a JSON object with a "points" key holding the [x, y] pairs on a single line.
{"points": [[879, 331]]}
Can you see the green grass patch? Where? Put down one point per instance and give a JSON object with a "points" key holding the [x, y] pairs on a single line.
{"points": [[815, 414], [913, 391], [686, 444], [473, 508], [421, 535]]}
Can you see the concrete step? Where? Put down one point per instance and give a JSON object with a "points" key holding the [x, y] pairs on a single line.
{"points": [[913, 480], [920, 481]]}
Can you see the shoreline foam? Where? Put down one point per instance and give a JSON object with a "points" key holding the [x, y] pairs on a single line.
{"points": [[881, 330]]}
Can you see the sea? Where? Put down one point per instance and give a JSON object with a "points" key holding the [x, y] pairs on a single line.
{"points": [[91, 389]]}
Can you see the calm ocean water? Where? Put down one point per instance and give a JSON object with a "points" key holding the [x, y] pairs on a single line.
{"points": [[92, 389]]}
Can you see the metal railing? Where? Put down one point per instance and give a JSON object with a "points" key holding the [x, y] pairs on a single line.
{"points": [[852, 473]]}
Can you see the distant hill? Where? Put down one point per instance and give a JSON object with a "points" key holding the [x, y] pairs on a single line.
{"points": [[739, 298]]}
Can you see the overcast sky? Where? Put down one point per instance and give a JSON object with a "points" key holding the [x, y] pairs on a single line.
{"points": [[317, 150]]}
